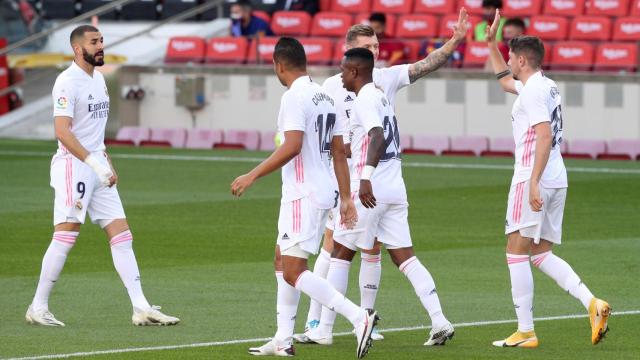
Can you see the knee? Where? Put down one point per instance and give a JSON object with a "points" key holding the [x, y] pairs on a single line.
{"points": [[342, 252], [291, 277]]}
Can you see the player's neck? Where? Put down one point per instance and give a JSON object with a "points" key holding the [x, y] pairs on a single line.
{"points": [[85, 66], [293, 76], [525, 75], [361, 84]]}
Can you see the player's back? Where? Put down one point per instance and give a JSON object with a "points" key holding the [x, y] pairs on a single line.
{"points": [[306, 107]]}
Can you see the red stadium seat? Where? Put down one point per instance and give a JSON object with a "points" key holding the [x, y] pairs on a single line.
{"points": [[585, 149], [390, 28], [166, 137], [338, 51], [227, 50], [628, 149], [325, 5], [181, 49], [521, 8], [627, 29], [351, 6], [240, 139], [448, 21], [203, 138], [331, 24], [468, 145], [616, 56], [428, 144], [262, 49], [130, 135], [442, 7], [503, 146], [635, 8], [412, 50], [318, 50], [476, 54], [564, 7], [572, 55], [392, 6], [590, 28], [417, 26], [549, 27], [262, 15], [267, 140], [472, 6], [607, 7], [294, 23]]}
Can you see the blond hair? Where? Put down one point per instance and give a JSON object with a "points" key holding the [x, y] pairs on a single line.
{"points": [[358, 30]]}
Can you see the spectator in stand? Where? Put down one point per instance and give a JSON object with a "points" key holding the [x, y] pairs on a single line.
{"points": [[391, 50], [488, 11], [244, 23], [310, 6]]}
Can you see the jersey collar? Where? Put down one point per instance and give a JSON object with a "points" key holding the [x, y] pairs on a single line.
{"points": [[304, 79], [74, 67]]}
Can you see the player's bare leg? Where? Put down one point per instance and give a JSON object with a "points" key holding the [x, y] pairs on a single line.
{"points": [[425, 288], [124, 260], [64, 237], [559, 270]]}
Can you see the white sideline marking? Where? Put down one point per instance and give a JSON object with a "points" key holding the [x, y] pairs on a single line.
{"points": [[255, 159], [243, 341]]}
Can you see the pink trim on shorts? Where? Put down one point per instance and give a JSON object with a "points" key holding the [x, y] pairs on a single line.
{"points": [[297, 216], [69, 180], [516, 212]]}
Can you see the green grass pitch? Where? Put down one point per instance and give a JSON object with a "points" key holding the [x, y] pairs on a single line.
{"points": [[206, 257]]}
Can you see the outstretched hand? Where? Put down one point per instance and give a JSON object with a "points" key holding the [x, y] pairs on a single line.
{"points": [[492, 31], [462, 26]]}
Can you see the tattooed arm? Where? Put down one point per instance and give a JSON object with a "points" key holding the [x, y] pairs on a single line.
{"points": [[439, 57]]}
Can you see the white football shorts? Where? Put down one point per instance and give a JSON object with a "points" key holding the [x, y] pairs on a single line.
{"points": [[301, 223]]}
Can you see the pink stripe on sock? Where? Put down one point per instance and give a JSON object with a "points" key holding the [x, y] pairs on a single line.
{"points": [[299, 277], [511, 260], [122, 237], [372, 260], [404, 265], [68, 237], [538, 261]]}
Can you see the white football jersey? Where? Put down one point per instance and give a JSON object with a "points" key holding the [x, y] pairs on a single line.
{"points": [[390, 80], [306, 107], [86, 101], [372, 109], [538, 101]]}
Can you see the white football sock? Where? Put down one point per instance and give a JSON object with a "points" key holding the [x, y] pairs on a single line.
{"points": [[338, 277], [521, 290], [52, 264], [320, 290], [320, 268], [286, 308], [563, 274], [370, 271], [425, 288], [124, 260]]}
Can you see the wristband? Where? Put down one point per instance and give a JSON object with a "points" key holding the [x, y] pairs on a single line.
{"points": [[367, 172], [500, 75]]}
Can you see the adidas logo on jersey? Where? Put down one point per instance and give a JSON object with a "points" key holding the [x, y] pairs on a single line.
{"points": [[90, 97], [348, 98], [285, 236]]}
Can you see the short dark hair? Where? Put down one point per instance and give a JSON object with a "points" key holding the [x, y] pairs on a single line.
{"points": [[243, 3], [515, 22], [362, 56], [290, 51], [529, 46], [79, 32], [379, 17], [492, 3]]}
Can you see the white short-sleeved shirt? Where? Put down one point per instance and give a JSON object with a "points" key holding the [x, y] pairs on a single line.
{"points": [[306, 107], [538, 101], [390, 80], [372, 109], [86, 101]]}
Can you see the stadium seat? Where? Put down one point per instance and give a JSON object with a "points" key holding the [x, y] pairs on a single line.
{"points": [[325, 5], [468, 145], [267, 141], [635, 8], [338, 51], [616, 56], [428, 144], [572, 55], [331, 24], [627, 149], [564, 7], [441, 7], [184, 49], [261, 50], [412, 50], [226, 50], [549, 27], [392, 6], [448, 21], [585, 149], [476, 54], [130, 135], [166, 137], [521, 8], [319, 50], [262, 15], [502, 146], [140, 10], [240, 139], [590, 28], [291, 23], [350, 6], [607, 7], [405, 142], [417, 26], [390, 28], [203, 138], [627, 29], [473, 6]]}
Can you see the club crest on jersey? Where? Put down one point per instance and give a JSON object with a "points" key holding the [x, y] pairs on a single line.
{"points": [[62, 103]]}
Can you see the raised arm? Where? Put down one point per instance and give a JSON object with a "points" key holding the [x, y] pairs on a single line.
{"points": [[439, 57], [500, 68]]}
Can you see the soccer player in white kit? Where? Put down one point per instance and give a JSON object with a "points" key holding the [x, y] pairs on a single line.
{"points": [[311, 131], [390, 80], [84, 180], [538, 188]]}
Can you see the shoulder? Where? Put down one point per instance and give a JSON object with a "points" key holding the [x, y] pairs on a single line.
{"points": [[332, 83]]}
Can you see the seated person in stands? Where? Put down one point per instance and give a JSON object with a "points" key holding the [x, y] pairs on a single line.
{"points": [[391, 50], [244, 23], [310, 6], [488, 11]]}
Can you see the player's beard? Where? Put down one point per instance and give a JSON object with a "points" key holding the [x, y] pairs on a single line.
{"points": [[91, 59]]}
